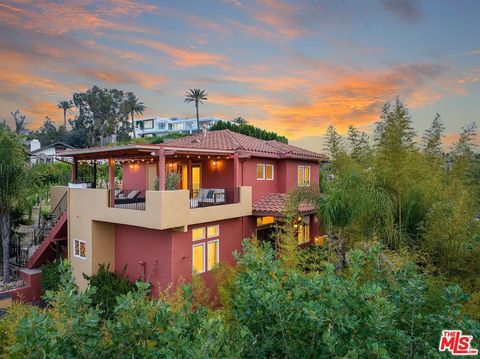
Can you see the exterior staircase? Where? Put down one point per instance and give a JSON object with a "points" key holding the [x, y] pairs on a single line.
{"points": [[36, 255], [43, 246]]}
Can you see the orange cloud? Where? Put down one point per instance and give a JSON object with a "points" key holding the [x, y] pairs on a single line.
{"points": [[59, 18], [182, 57]]}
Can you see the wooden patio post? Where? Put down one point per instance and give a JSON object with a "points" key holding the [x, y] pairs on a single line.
{"points": [[94, 184], [236, 178], [111, 181], [74, 170], [161, 169]]}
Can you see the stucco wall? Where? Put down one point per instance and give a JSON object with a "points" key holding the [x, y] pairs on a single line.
{"points": [[259, 187], [56, 194], [134, 176], [137, 248]]}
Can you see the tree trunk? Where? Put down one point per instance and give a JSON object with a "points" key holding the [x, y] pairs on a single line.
{"points": [[65, 119], [198, 119], [133, 125], [5, 223]]}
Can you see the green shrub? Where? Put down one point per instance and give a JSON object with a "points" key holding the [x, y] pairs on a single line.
{"points": [[108, 286], [50, 277]]}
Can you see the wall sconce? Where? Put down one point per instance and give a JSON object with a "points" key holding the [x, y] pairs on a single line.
{"points": [[131, 166], [170, 165], [214, 163]]}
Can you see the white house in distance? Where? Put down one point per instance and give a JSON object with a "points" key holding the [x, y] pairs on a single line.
{"points": [[161, 126], [48, 153]]}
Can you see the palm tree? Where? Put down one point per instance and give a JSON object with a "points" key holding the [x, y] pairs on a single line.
{"points": [[12, 177], [133, 106], [65, 105], [197, 96], [240, 120]]}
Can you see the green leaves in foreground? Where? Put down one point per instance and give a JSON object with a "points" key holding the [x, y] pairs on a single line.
{"points": [[370, 311]]}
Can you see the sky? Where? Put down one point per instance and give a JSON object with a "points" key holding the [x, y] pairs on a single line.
{"points": [[291, 67]]}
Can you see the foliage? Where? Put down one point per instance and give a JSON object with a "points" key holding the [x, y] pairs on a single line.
{"points": [[13, 171], [249, 130], [101, 112], [50, 280], [197, 96], [8, 325], [172, 181], [107, 286], [372, 310], [133, 105]]}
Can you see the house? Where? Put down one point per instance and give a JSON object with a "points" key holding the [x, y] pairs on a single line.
{"points": [[48, 153], [161, 126], [232, 186]]}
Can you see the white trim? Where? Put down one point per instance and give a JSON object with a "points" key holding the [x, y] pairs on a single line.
{"points": [[204, 256], [217, 232], [273, 172], [218, 253], [263, 172], [73, 247], [204, 234]]}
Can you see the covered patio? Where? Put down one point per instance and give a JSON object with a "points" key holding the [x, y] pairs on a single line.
{"points": [[211, 177]]}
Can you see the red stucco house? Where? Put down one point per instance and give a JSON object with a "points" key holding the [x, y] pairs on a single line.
{"points": [[231, 186]]}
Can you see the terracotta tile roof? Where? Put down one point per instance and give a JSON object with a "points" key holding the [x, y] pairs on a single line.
{"points": [[231, 141], [274, 204]]}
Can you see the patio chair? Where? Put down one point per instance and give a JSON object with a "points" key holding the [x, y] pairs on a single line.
{"points": [[211, 196]]}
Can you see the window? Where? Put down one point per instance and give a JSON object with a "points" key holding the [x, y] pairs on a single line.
{"points": [[198, 233], [269, 172], [260, 171], [213, 231], [148, 124], [304, 231], [213, 254], [263, 221], [198, 258], [303, 176], [79, 249]]}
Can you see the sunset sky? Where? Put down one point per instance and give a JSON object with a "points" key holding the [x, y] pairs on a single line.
{"points": [[292, 67]]}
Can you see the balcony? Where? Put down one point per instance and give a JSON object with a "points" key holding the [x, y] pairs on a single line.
{"points": [[157, 209]]}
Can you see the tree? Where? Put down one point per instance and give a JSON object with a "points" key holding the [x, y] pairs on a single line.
{"points": [[240, 120], [20, 122], [133, 105], [249, 130], [196, 96], [13, 159], [49, 133], [359, 145], [432, 139], [333, 142], [65, 105], [101, 113]]}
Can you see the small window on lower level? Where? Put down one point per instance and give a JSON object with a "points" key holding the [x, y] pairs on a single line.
{"points": [[213, 231], [198, 233], [213, 255], [198, 258], [263, 221], [304, 231], [79, 248]]}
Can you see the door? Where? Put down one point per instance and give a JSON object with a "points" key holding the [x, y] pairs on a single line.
{"points": [[196, 179], [151, 176], [183, 169]]}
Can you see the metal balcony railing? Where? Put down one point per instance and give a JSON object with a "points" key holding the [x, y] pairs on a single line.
{"points": [[127, 198], [207, 197]]}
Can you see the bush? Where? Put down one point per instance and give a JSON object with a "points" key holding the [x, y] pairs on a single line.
{"points": [[50, 277], [108, 286]]}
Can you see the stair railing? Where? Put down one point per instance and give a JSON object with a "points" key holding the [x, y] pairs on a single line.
{"points": [[39, 235]]}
